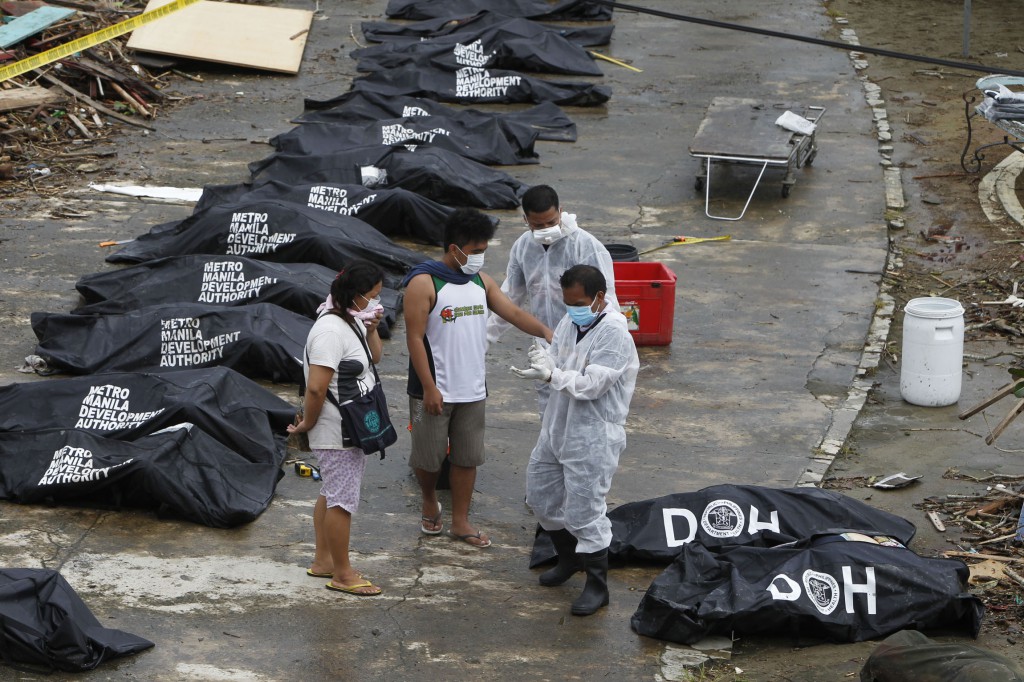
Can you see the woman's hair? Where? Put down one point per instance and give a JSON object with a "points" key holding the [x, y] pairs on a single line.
{"points": [[355, 279]]}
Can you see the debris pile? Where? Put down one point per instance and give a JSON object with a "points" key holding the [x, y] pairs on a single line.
{"points": [[53, 116], [991, 542]]}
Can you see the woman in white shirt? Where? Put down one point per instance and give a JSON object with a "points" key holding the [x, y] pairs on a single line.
{"points": [[339, 349]]}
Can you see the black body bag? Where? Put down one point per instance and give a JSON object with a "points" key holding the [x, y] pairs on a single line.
{"points": [[43, 622]]}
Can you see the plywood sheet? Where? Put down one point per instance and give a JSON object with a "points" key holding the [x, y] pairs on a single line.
{"points": [[269, 38]]}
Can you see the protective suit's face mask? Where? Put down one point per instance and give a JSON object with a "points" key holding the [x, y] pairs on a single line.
{"points": [[582, 315], [474, 262], [548, 235]]}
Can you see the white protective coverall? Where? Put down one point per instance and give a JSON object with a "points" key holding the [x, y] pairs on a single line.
{"points": [[582, 432], [533, 272]]}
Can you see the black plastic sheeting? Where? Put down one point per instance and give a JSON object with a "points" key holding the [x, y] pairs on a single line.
{"points": [[471, 85], [44, 623], [218, 280], [439, 175], [274, 231], [517, 45], [484, 142], [721, 515], [910, 655], [179, 472], [395, 213], [560, 10], [822, 588], [260, 340], [238, 412], [474, 26], [546, 120]]}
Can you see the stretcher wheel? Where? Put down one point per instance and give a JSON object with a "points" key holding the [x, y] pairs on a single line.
{"points": [[785, 191], [810, 157]]}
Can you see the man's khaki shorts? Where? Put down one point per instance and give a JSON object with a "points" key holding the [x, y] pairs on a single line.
{"points": [[459, 429]]}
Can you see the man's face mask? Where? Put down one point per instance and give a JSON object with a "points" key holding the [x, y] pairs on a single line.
{"points": [[474, 262], [548, 235], [582, 315]]}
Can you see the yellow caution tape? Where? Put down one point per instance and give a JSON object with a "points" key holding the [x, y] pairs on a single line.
{"points": [[91, 40]]}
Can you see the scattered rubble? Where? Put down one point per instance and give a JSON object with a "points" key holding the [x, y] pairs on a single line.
{"points": [[55, 120]]}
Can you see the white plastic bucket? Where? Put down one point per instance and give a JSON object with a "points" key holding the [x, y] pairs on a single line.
{"points": [[933, 351]]}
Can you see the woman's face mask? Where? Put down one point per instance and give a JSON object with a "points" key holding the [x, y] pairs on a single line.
{"points": [[371, 303], [368, 313]]}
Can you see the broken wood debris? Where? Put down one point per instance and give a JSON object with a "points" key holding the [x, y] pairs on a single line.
{"points": [[57, 111], [988, 525]]}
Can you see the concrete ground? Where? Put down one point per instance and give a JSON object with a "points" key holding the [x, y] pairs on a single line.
{"points": [[760, 384]]}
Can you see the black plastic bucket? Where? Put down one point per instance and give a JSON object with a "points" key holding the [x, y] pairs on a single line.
{"points": [[624, 253]]}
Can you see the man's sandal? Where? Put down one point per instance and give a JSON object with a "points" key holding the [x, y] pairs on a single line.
{"points": [[435, 521]]}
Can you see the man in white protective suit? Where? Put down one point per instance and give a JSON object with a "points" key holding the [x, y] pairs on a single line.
{"points": [[591, 368], [552, 244]]}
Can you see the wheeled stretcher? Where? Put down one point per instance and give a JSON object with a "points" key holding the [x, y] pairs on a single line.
{"points": [[743, 131]]}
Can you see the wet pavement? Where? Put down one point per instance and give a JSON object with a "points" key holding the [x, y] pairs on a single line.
{"points": [[759, 384]]}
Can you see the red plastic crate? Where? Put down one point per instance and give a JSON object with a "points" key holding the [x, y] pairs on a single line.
{"points": [[647, 297]]}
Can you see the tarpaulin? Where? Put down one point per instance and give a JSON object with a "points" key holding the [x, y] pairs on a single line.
{"points": [[277, 231], [560, 10], [180, 472], [260, 340], [910, 655], [436, 174], [473, 26], [218, 280], [473, 85], [720, 515], [238, 412], [484, 141], [545, 120], [43, 622], [392, 212], [517, 44], [825, 587]]}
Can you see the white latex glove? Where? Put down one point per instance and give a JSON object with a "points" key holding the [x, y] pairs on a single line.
{"points": [[531, 373], [540, 358]]}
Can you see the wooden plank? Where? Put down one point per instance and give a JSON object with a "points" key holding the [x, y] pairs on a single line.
{"points": [[23, 98], [252, 36], [735, 126], [31, 24], [936, 521]]}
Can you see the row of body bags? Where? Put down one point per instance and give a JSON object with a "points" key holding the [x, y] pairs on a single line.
{"points": [[237, 284], [164, 421]]}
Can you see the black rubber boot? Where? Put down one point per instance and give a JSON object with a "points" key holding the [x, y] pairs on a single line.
{"points": [[568, 563], [595, 592]]}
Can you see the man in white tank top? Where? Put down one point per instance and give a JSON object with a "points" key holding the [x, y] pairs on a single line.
{"points": [[446, 306]]}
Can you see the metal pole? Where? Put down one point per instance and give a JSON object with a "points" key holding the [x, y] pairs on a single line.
{"points": [[967, 28]]}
